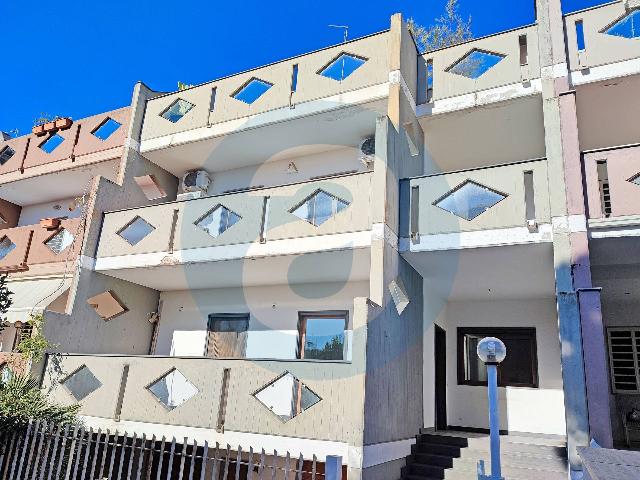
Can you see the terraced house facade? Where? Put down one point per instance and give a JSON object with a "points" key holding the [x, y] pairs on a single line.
{"points": [[303, 256]]}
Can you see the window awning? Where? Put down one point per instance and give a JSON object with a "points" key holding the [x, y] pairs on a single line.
{"points": [[34, 296]]}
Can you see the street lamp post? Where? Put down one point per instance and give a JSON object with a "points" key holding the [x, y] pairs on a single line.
{"points": [[492, 351]]}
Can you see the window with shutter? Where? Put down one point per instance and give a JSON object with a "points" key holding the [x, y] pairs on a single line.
{"points": [[227, 335], [624, 349]]}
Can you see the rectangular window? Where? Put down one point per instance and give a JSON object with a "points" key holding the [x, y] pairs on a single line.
{"points": [[524, 54], [227, 335], [321, 335], [603, 183], [624, 359], [529, 196], [212, 100], [294, 78], [580, 35], [429, 80], [519, 369]]}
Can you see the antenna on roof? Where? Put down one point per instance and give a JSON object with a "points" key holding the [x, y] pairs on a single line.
{"points": [[346, 30]]}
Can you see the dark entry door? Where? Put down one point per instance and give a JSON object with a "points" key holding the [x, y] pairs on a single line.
{"points": [[441, 378]]}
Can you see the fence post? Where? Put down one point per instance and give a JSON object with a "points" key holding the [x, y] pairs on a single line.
{"points": [[333, 467]]}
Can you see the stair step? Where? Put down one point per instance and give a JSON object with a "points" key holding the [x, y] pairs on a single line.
{"points": [[435, 449], [430, 459], [442, 439], [423, 470]]}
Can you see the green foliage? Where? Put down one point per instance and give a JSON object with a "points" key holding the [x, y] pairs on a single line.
{"points": [[449, 29], [183, 86], [36, 345], [21, 400], [332, 350], [42, 119], [5, 301]]}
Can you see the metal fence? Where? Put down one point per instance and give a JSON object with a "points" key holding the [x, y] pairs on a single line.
{"points": [[47, 452]]}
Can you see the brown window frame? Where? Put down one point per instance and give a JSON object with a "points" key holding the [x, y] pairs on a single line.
{"points": [[302, 330], [212, 317], [498, 332]]}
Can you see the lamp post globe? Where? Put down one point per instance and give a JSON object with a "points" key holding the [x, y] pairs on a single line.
{"points": [[491, 350]]}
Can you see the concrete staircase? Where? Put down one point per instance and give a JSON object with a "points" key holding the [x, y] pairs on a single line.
{"points": [[454, 455]]}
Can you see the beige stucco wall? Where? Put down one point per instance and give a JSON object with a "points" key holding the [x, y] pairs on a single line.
{"points": [[467, 405], [355, 189], [273, 313], [600, 48], [311, 86], [505, 72], [510, 212], [338, 417]]}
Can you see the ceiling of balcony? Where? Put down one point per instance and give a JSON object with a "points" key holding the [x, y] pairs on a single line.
{"points": [[331, 266], [490, 273], [252, 145], [490, 135], [608, 113], [56, 185]]}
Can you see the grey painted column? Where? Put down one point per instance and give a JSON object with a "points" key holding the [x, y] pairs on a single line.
{"points": [[586, 400]]}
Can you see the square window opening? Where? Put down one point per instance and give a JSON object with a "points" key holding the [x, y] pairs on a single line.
{"points": [[520, 367], [177, 110], [322, 335], [5, 154], [51, 143], [106, 129]]}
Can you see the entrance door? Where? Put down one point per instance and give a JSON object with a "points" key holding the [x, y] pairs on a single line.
{"points": [[441, 378]]}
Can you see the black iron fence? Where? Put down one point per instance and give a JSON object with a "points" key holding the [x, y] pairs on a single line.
{"points": [[47, 452]]}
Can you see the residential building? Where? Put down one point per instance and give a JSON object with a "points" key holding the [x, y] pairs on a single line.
{"points": [[303, 256]]}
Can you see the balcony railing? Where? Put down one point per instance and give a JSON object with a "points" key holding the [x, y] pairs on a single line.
{"points": [[239, 220], [466, 68], [613, 183], [24, 247], [595, 38], [81, 143], [506, 196], [287, 83], [219, 393]]}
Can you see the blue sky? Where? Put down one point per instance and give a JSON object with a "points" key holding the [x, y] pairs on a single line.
{"points": [[76, 58]]}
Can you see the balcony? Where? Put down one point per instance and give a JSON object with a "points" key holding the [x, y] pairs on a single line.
{"points": [[490, 69], [598, 38], [172, 246], [212, 396], [613, 188], [352, 74], [491, 206], [39, 251], [90, 146]]}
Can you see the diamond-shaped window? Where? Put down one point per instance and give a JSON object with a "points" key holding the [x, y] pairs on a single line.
{"points": [[287, 397], [81, 383], [635, 179], [177, 110], [6, 245], [252, 90], [172, 389], [106, 129], [342, 66], [469, 200], [60, 241], [627, 26], [134, 231], [475, 63], [51, 143], [319, 207], [5, 154], [218, 220]]}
